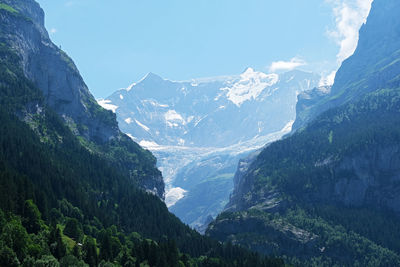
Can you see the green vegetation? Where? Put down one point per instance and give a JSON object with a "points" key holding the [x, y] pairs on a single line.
{"points": [[305, 169], [7, 8], [308, 156], [68, 60], [107, 247], [344, 244], [224, 176], [61, 204], [330, 137], [342, 236]]}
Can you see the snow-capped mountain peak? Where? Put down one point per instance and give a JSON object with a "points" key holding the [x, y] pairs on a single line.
{"points": [[213, 112], [206, 125], [148, 78], [250, 85], [151, 77]]}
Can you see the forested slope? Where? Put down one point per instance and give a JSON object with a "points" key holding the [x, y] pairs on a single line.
{"points": [[66, 198], [329, 193]]}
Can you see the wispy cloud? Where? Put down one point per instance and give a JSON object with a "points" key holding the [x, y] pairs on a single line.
{"points": [[287, 65], [53, 31], [69, 3], [349, 16], [327, 79]]}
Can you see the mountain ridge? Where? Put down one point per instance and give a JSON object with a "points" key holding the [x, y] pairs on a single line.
{"points": [[68, 198], [199, 129], [313, 195], [183, 119], [51, 70], [368, 65]]}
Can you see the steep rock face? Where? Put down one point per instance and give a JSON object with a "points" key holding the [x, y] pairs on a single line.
{"points": [[54, 73], [306, 101], [265, 235], [199, 129], [341, 167], [49, 68], [373, 65], [346, 162], [240, 183], [366, 178], [375, 182]]}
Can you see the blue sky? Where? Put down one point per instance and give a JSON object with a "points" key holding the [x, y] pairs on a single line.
{"points": [[115, 43]]}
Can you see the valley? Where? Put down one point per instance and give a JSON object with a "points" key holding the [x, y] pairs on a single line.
{"points": [[271, 167], [200, 129], [74, 189]]}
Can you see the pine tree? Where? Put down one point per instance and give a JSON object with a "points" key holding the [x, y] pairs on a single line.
{"points": [[32, 217], [57, 246], [90, 252]]}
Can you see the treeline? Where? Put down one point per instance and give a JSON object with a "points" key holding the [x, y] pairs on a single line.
{"points": [[63, 203], [303, 162], [30, 241], [306, 169]]}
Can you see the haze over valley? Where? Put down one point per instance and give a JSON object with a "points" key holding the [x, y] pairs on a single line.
{"points": [[113, 152]]}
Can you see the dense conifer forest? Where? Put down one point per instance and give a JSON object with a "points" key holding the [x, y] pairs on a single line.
{"points": [[64, 204]]}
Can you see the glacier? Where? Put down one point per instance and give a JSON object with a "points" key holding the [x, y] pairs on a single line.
{"points": [[200, 128]]}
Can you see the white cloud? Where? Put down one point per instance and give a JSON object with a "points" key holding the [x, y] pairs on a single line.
{"points": [[328, 79], [349, 16], [53, 30], [286, 65]]}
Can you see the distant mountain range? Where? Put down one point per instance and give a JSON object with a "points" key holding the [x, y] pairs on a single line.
{"points": [[211, 112], [199, 129], [76, 191]]}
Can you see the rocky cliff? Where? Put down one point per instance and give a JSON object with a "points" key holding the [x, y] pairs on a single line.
{"points": [[332, 164], [337, 175], [212, 112], [51, 70], [373, 65], [306, 103], [200, 128], [340, 174], [55, 74]]}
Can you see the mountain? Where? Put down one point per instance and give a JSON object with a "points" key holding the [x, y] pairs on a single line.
{"points": [[199, 129], [72, 186], [328, 194], [64, 90], [172, 113], [374, 64], [307, 102]]}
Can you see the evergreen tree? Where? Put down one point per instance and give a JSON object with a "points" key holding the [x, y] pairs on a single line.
{"points": [[32, 217], [70, 260], [57, 246], [8, 257], [76, 251], [73, 229], [47, 261], [90, 252], [15, 237]]}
